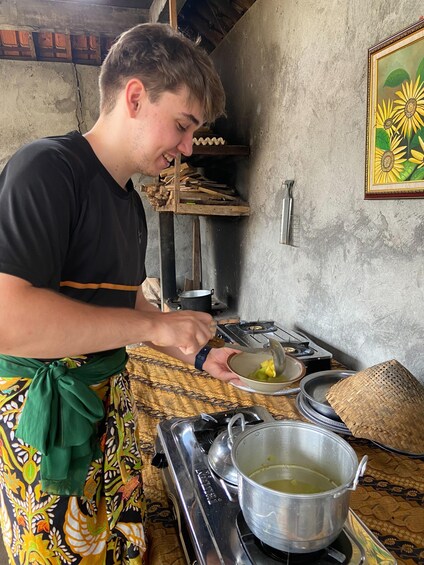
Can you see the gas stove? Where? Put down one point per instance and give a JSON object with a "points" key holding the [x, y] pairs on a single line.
{"points": [[256, 333], [211, 525]]}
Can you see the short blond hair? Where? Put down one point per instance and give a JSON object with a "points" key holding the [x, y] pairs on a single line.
{"points": [[164, 60]]}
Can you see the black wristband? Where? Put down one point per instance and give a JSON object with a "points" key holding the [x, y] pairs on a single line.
{"points": [[201, 357]]}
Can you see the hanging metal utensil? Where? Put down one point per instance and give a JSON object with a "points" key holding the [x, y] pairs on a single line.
{"points": [[218, 342], [286, 212]]}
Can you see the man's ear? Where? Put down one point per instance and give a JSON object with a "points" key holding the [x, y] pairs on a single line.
{"points": [[135, 94]]}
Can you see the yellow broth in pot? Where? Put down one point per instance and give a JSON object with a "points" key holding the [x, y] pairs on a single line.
{"points": [[292, 479]]}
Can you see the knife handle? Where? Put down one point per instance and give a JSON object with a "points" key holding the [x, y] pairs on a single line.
{"points": [[216, 342]]}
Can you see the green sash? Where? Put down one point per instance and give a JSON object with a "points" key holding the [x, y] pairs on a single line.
{"points": [[60, 414]]}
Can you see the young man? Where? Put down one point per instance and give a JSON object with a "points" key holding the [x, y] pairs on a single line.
{"points": [[72, 249]]}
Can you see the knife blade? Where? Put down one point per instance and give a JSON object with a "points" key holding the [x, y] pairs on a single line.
{"points": [[286, 213], [218, 342]]}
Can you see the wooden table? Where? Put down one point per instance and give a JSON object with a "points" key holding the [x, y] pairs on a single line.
{"points": [[389, 499]]}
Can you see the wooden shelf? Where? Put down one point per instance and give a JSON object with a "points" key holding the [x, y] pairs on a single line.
{"points": [[222, 150], [232, 208], [206, 209], [178, 207], [237, 208]]}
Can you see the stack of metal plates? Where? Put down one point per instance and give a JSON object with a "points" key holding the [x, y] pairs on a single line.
{"points": [[312, 403]]}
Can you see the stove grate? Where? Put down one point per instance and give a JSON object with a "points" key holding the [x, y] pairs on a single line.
{"points": [[257, 327], [338, 553]]}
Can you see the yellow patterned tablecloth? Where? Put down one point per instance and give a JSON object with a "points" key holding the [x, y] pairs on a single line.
{"points": [[389, 499]]}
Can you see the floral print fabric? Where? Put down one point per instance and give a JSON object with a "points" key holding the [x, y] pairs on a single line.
{"points": [[103, 527]]}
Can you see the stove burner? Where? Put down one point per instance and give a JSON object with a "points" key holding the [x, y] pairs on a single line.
{"points": [[297, 348], [338, 553], [257, 327]]}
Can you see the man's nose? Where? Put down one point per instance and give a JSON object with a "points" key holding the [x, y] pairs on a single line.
{"points": [[185, 147]]}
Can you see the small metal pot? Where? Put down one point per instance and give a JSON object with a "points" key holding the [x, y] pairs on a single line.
{"points": [[296, 523], [199, 300]]}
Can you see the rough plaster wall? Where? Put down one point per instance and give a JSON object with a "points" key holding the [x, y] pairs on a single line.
{"points": [[38, 99], [43, 99], [295, 72]]}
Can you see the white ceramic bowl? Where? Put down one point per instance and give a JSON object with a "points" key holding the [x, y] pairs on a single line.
{"points": [[243, 364]]}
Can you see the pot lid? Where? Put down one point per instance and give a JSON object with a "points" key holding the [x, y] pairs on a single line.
{"points": [[219, 456]]}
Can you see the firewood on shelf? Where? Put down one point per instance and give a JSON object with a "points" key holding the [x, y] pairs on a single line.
{"points": [[193, 188]]}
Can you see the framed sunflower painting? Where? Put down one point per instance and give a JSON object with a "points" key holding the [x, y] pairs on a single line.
{"points": [[395, 116]]}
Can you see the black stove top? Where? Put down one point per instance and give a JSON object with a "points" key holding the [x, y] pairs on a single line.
{"points": [[256, 334]]}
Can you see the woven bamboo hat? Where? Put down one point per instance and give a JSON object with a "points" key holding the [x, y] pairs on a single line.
{"points": [[384, 403]]}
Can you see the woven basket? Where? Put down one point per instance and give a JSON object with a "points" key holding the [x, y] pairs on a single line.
{"points": [[384, 403]]}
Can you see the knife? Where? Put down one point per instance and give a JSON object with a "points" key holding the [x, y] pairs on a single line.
{"points": [[218, 342], [286, 213]]}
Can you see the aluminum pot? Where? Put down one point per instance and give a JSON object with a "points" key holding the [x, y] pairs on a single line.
{"points": [[199, 300], [296, 523]]}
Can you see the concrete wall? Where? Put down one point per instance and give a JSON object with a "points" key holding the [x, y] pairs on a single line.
{"points": [[42, 99], [295, 72]]}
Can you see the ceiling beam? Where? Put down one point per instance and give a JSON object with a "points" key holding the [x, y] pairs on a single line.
{"points": [[199, 26], [244, 5], [158, 6], [225, 9], [70, 18]]}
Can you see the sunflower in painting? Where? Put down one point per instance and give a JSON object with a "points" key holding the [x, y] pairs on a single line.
{"points": [[410, 107], [385, 117], [418, 156], [389, 163]]}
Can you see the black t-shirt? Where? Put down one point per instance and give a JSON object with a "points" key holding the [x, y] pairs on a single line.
{"points": [[65, 224]]}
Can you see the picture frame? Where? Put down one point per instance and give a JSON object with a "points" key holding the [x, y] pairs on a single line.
{"points": [[395, 116]]}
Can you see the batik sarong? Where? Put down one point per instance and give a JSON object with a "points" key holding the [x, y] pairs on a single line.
{"points": [[103, 527]]}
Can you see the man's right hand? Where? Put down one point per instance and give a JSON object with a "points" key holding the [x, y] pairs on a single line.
{"points": [[187, 330], [44, 324]]}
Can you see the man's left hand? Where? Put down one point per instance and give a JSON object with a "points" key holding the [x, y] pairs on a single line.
{"points": [[216, 365]]}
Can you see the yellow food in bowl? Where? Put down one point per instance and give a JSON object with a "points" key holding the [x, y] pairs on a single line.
{"points": [[246, 364], [265, 372]]}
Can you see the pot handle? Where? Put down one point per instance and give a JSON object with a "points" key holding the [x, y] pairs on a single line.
{"points": [[359, 472], [232, 422]]}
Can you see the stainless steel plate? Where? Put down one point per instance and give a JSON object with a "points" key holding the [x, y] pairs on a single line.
{"points": [[314, 388], [399, 451], [305, 408], [283, 392]]}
